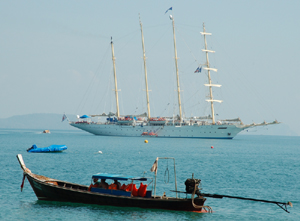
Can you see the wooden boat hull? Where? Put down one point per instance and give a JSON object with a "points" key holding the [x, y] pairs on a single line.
{"points": [[55, 190]]}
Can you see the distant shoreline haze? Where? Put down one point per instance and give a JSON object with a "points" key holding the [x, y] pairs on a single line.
{"points": [[37, 121]]}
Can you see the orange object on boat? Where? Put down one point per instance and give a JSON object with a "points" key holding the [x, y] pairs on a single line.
{"points": [[135, 191], [128, 187], [123, 187], [142, 190], [133, 188], [113, 186]]}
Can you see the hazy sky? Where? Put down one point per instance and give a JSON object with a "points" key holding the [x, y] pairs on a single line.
{"points": [[56, 57]]}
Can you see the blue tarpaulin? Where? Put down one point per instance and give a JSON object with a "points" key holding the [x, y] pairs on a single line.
{"points": [[110, 119], [52, 148], [84, 116]]}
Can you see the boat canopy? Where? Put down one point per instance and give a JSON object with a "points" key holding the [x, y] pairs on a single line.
{"points": [[117, 177]]}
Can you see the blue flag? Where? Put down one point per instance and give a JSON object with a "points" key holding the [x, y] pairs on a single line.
{"points": [[198, 70], [168, 10]]}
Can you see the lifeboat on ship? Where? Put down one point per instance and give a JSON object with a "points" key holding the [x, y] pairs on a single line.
{"points": [[125, 120], [150, 134], [157, 121]]}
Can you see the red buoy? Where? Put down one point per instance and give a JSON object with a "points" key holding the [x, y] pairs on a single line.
{"points": [[212, 147]]}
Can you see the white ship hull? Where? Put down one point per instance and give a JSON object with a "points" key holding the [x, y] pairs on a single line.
{"points": [[167, 131]]}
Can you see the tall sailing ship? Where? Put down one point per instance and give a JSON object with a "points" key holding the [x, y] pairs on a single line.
{"points": [[172, 127]]}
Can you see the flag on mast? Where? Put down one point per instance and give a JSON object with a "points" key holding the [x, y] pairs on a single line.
{"points": [[154, 166], [64, 117], [168, 10], [198, 70]]}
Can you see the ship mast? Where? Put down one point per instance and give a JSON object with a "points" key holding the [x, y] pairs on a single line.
{"points": [[178, 87], [144, 57], [115, 76], [210, 85]]}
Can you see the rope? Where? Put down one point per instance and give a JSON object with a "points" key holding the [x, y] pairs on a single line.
{"points": [[206, 208], [167, 173], [22, 185]]}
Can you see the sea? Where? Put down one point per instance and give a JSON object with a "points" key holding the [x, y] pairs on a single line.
{"points": [[254, 166]]}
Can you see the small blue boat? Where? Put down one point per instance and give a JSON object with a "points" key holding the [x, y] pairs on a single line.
{"points": [[52, 148]]}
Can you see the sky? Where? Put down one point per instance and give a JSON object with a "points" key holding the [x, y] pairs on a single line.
{"points": [[56, 58]]}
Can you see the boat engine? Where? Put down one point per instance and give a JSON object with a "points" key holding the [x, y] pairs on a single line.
{"points": [[191, 184]]}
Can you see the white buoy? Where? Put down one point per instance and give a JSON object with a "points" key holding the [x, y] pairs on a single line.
{"points": [[100, 151]]}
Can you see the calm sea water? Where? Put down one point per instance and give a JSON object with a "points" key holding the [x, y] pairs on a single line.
{"points": [[263, 167]]}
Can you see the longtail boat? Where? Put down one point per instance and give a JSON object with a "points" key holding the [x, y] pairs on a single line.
{"points": [[49, 189]]}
